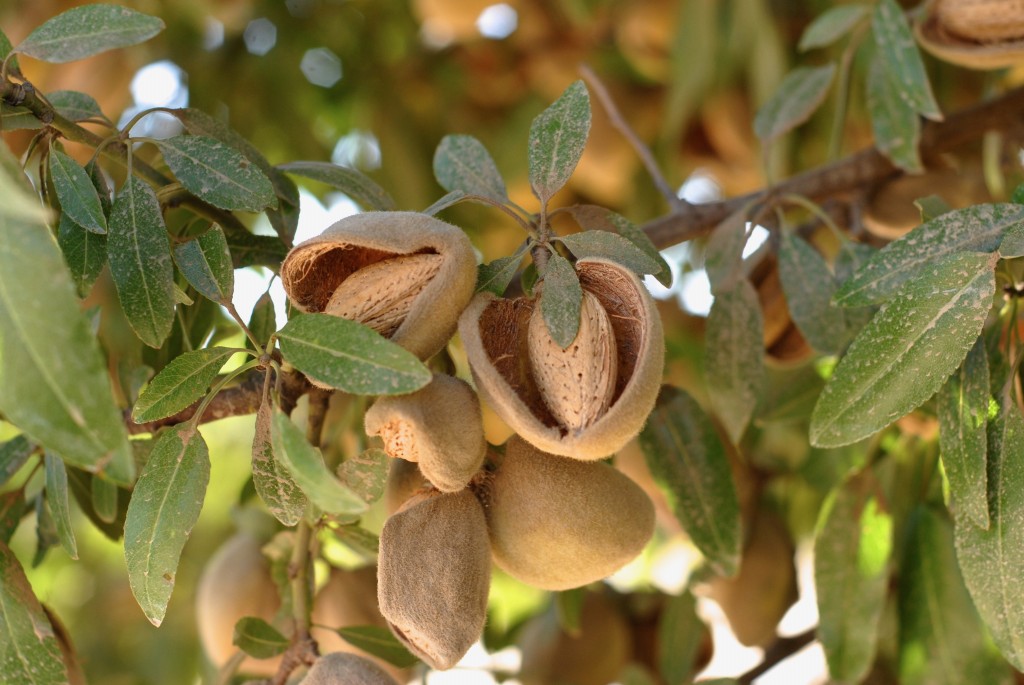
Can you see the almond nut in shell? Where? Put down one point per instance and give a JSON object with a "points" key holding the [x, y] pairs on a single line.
{"points": [[346, 669]]}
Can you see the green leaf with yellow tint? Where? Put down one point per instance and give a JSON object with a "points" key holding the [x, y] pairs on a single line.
{"points": [[88, 30]]}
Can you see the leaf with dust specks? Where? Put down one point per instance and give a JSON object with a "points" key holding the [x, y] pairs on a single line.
{"points": [[831, 25], [734, 357], [723, 254], [262, 321], [357, 185], [180, 383], [56, 479], [896, 126], [74, 105], [164, 506], [350, 356], [274, 484], [808, 284], [217, 173], [593, 217], [908, 350], [495, 276], [794, 101], [898, 52], [557, 138], [81, 32], [85, 253], [611, 246], [1012, 244], [306, 465], [561, 300], [688, 462], [365, 474], [30, 653], [852, 549], [963, 425], [991, 560], [205, 262], [75, 192], [462, 162]]}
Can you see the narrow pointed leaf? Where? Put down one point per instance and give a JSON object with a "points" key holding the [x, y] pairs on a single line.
{"points": [[831, 25], [991, 559], [217, 173], [306, 465], [57, 498], [561, 300], [689, 464], [594, 217], [140, 262], [12, 508], [205, 262], [557, 138], [896, 126], [104, 499], [164, 506], [449, 200], [55, 383], [254, 250], [88, 30], [1012, 244], [898, 52], [963, 423], [366, 474], [259, 639], [17, 118], [76, 106], [907, 351], [379, 642], [5, 50], [180, 383], [263, 321], [77, 196], [85, 253], [852, 547], [13, 455], [941, 638], [734, 357], [357, 185], [610, 246], [808, 284], [274, 483], [723, 255], [680, 635], [796, 99], [29, 651], [495, 276], [932, 206], [462, 163], [349, 356]]}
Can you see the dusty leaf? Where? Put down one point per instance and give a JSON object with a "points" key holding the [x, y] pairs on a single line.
{"points": [[462, 162], [56, 479], [557, 138], [831, 25], [896, 126], [357, 185], [85, 253], [274, 483], [898, 52], [809, 284], [561, 300], [796, 99], [205, 262], [613, 247], [180, 383], [88, 30], [366, 474], [76, 193], [217, 173]]}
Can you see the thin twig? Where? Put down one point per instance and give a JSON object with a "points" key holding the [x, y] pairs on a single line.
{"points": [[619, 122], [779, 651]]}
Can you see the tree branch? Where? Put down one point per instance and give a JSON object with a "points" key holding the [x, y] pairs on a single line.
{"points": [[778, 651], [859, 170]]}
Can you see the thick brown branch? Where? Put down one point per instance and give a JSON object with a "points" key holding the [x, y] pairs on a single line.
{"points": [[859, 170]]}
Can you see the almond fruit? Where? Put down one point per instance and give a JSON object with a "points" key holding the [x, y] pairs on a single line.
{"points": [[346, 669], [985, 21], [577, 384]]}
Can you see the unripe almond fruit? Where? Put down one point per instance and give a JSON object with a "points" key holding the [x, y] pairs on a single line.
{"points": [[985, 21], [577, 383], [413, 275], [978, 34], [434, 573], [346, 669], [559, 523], [439, 427]]}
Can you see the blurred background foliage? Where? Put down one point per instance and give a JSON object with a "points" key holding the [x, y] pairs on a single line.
{"points": [[376, 84]]}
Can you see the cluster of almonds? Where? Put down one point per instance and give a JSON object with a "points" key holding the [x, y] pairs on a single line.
{"points": [[543, 507], [980, 34]]}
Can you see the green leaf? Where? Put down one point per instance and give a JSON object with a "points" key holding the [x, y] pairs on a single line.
{"points": [[932, 206], [680, 635], [941, 638], [1012, 244], [734, 357], [57, 498], [274, 484], [258, 639], [366, 474], [306, 465], [217, 173], [561, 300], [357, 185], [5, 49], [808, 284], [569, 609], [688, 462], [495, 276], [593, 217], [907, 351], [379, 642], [899, 54], [254, 250], [831, 25], [85, 253], [12, 508], [349, 356], [77, 196], [29, 651], [723, 255], [180, 383], [979, 228], [963, 419], [610, 246], [105, 499], [462, 163], [528, 279], [164, 506], [896, 126], [852, 546], [205, 262], [74, 105], [88, 30], [991, 559], [557, 138], [449, 200], [17, 118], [55, 382], [359, 539], [797, 97], [263, 320], [13, 455], [140, 262]]}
